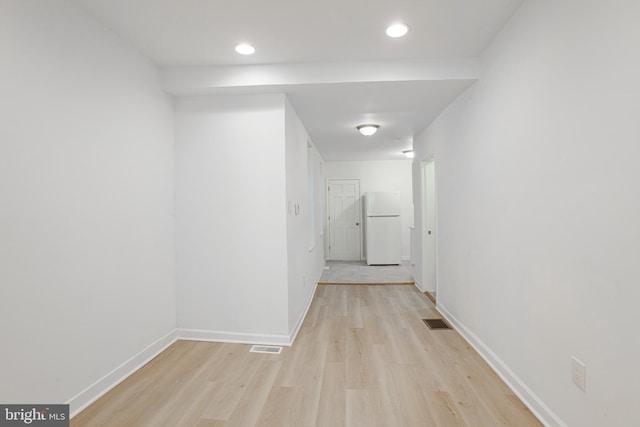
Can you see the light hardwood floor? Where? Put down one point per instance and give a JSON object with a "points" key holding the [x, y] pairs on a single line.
{"points": [[362, 358]]}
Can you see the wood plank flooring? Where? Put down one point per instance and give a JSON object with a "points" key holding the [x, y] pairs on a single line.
{"points": [[363, 358]]}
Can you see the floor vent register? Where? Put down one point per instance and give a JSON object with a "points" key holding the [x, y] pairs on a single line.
{"points": [[436, 324], [268, 349]]}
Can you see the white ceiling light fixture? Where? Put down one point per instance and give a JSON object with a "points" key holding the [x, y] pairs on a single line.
{"points": [[409, 154], [397, 30], [368, 129], [245, 49]]}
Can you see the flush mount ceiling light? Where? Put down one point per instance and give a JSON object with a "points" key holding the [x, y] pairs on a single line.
{"points": [[397, 30], [245, 49], [409, 153], [368, 130]]}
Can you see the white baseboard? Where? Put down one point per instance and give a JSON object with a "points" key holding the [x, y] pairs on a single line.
{"points": [[526, 395], [115, 377], [418, 285], [233, 337], [92, 393], [293, 334]]}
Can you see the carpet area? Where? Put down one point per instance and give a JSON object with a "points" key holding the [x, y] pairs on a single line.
{"points": [[358, 272]]}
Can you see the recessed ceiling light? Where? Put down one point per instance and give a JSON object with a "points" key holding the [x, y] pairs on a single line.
{"points": [[397, 30], [409, 153], [368, 130], [245, 49]]}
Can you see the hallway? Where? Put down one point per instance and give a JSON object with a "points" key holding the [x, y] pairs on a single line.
{"points": [[363, 358]]}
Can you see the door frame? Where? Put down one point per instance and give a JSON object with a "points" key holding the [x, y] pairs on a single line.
{"points": [[327, 241], [429, 160]]}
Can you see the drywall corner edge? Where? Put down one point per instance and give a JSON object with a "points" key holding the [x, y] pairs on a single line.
{"points": [[86, 397], [539, 409]]}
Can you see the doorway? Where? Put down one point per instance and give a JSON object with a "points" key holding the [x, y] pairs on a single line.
{"points": [[344, 220], [429, 227]]}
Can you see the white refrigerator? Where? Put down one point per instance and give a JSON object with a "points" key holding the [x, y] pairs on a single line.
{"points": [[383, 242]]}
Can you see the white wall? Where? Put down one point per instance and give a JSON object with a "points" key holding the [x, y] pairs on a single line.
{"points": [[305, 256], [86, 216], [231, 222], [538, 207], [384, 175]]}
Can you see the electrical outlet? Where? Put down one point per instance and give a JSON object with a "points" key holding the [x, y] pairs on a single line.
{"points": [[579, 373]]}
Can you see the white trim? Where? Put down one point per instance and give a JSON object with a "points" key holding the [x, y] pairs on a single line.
{"points": [[526, 395], [417, 284], [92, 393], [296, 329], [406, 258], [233, 337], [429, 159], [244, 338], [96, 390]]}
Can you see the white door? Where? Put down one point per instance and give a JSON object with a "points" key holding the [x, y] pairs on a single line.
{"points": [[429, 253], [344, 219]]}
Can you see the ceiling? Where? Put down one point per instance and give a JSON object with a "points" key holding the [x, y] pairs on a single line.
{"points": [[398, 107], [325, 55]]}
